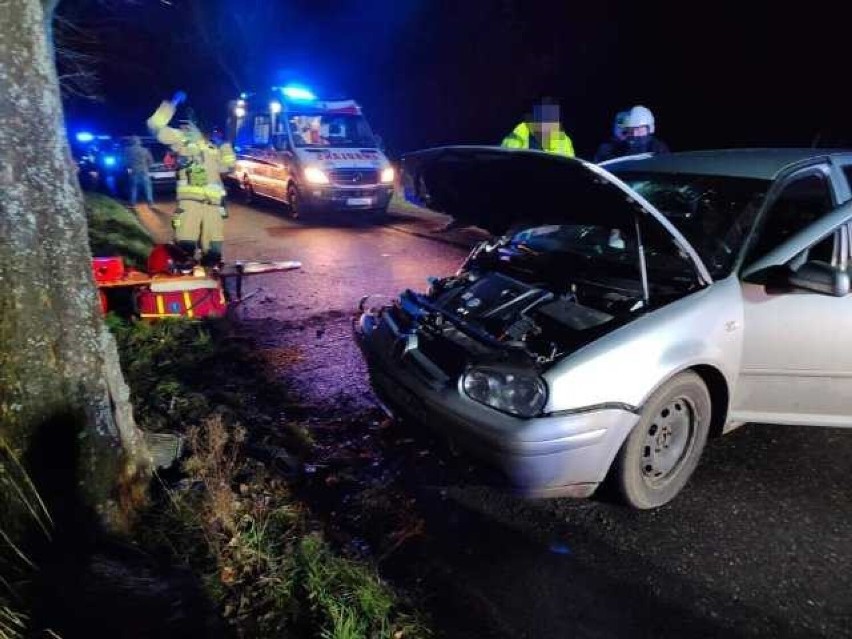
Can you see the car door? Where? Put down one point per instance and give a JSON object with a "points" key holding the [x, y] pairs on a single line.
{"points": [[279, 169], [284, 161], [260, 175], [796, 363]]}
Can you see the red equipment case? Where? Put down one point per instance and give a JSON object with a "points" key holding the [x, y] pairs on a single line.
{"points": [[108, 269], [185, 296]]}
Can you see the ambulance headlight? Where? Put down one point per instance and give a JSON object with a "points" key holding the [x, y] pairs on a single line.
{"points": [[388, 175], [313, 175]]}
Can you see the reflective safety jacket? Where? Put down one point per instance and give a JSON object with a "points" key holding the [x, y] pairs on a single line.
{"points": [[199, 179], [522, 138]]}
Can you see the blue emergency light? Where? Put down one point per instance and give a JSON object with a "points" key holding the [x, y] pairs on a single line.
{"points": [[295, 92], [109, 160], [85, 136]]}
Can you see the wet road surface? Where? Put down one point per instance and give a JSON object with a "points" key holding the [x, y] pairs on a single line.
{"points": [[759, 543]]}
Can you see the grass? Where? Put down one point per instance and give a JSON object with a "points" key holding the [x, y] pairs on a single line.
{"points": [[259, 554], [114, 230], [23, 514], [232, 520], [170, 367], [13, 623]]}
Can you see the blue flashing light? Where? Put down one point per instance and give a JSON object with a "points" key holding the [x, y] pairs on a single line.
{"points": [[294, 92], [243, 95], [85, 136], [109, 160]]}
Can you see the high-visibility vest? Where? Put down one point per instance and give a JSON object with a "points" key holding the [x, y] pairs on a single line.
{"points": [[210, 193], [200, 180], [558, 143]]}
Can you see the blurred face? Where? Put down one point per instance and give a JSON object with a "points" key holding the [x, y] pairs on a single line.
{"points": [[545, 119], [637, 131], [549, 128]]}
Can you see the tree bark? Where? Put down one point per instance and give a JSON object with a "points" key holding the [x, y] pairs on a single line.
{"points": [[59, 367]]}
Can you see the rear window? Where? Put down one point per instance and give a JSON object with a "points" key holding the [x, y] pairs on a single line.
{"points": [[157, 150]]}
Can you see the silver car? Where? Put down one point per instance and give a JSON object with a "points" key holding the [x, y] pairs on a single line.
{"points": [[622, 316]]}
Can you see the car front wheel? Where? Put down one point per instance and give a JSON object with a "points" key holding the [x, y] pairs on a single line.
{"points": [[248, 191], [663, 449], [294, 202]]}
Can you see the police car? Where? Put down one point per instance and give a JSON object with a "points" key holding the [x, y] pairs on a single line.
{"points": [[307, 153], [101, 161]]}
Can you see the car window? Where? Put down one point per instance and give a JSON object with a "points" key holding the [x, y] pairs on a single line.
{"points": [[280, 142], [803, 201], [847, 172], [158, 150], [595, 250], [823, 251], [714, 213]]}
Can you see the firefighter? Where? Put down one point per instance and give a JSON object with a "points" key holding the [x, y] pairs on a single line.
{"points": [[607, 149], [543, 132], [200, 194], [639, 129]]}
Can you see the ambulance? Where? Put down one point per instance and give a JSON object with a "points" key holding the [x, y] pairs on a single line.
{"points": [[308, 154]]}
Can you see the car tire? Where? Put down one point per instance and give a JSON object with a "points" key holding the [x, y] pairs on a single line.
{"points": [[296, 205], [249, 196], [663, 449]]}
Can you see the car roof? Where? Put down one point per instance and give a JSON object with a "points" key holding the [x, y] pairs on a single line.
{"points": [[763, 164]]}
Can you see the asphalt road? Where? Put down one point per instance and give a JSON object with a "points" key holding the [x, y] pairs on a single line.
{"points": [[759, 543]]}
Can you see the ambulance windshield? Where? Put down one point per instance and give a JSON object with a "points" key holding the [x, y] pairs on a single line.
{"points": [[332, 129]]}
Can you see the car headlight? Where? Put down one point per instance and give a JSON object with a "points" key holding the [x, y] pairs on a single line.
{"points": [[313, 175], [388, 175], [518, 392]]}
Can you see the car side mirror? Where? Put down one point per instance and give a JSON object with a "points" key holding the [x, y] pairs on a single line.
{"points": [[380, 143], [821, 277]]}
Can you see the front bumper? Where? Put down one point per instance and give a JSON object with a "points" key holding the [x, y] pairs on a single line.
{"points": [[374, 197], [163, 178], [548, 456]]}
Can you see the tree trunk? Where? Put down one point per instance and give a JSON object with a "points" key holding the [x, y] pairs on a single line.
{"points": [[61, 386]]}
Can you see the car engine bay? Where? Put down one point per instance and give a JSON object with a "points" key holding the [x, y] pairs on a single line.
{"points": [[517, 315], [507, 303]]}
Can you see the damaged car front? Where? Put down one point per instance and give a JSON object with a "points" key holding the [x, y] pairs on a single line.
{"points": [[539, 354]]}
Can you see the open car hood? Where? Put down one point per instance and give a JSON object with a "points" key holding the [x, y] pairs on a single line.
{"points": [[495, 189]]}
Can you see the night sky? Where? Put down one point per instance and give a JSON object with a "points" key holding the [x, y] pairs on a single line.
{"points": [[431, 72]]}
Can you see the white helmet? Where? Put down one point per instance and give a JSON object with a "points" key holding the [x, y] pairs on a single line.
{"points": [[640, 116]]}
